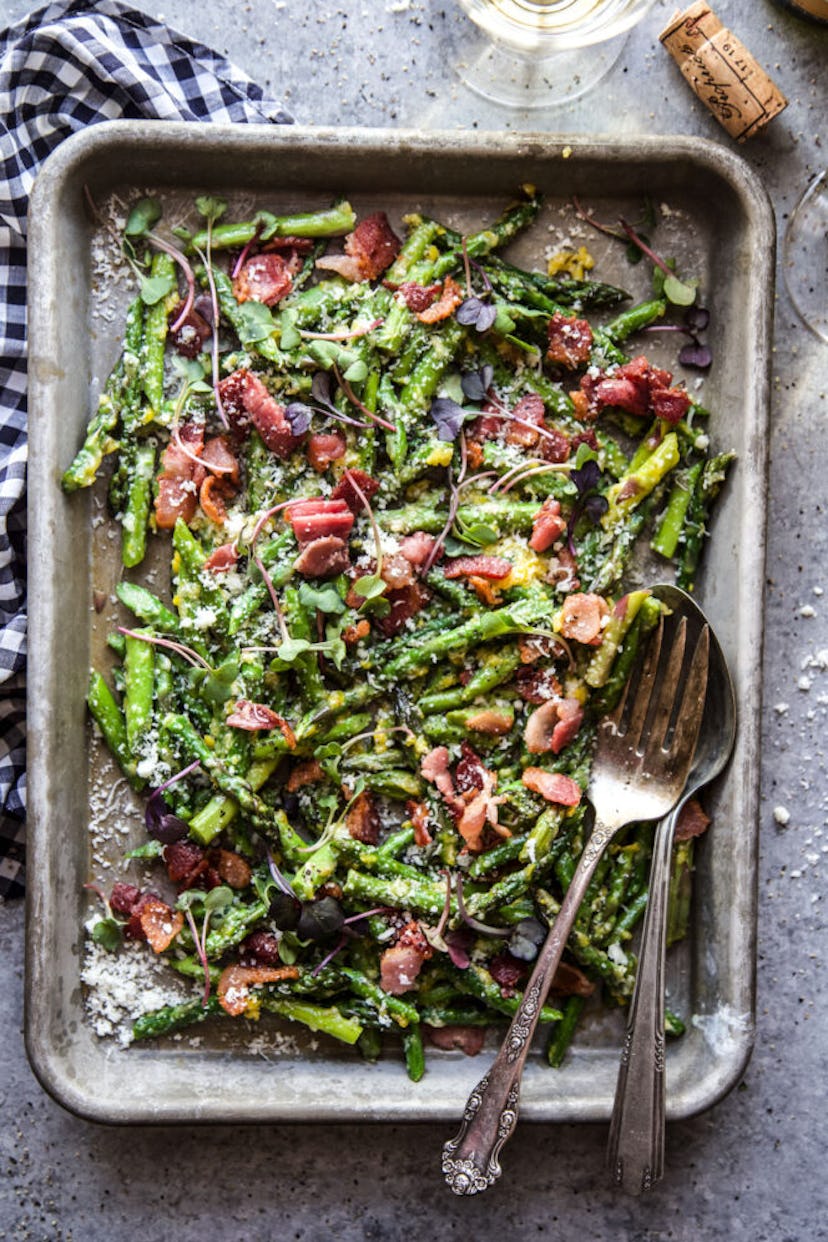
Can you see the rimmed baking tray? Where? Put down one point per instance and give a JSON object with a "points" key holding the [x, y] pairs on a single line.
{"points": [[718, 221]]}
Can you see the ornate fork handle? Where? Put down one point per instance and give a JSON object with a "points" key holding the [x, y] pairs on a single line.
{"points": [[471, 1159], [635, 1153]]}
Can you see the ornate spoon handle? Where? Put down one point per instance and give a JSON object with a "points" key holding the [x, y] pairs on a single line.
{"points": [[635, 1153], [471, 1159]]}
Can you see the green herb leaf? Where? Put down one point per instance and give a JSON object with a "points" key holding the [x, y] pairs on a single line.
{"points": [[326, 599], [289, 337], [503, 323], [254, 323], [370, 586], [291, 648], [108, 933], [189, 369], [210, 207], [144, 216], [154, 288], [680, 292], [192, 897], [150, 849], [218, 898], [266, 224], [356, 372]]}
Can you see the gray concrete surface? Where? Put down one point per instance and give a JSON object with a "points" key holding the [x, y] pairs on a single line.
{"points": [[752, 1168]]}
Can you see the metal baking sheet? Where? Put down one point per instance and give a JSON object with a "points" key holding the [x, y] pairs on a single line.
{"points": [[719, 223]]}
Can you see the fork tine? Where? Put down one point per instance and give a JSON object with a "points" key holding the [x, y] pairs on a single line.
{"points": [[644, 689], [693, 699], [665, 694]]}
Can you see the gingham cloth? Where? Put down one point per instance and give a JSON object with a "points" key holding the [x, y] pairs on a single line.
{"points": [[65, 67]]}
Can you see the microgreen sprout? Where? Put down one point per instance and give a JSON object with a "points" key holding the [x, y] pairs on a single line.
{"points": [[474, 311], [214, 902], [162, 825], [369, 586], [589, 503], [484, 928], [354, 400], [352, 334], [186, 653], [298, 413], [696, 354]]}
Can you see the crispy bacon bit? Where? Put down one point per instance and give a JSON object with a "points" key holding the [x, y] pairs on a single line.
{"points": [[570, 981], [219, 458], [232, 868], [211, 497], [529, 409], [314, 519], [547, 525], [471, 770], [485, 591], [467, 1039], [323, 558], [246, 399], [553, 726], [401, 964], [563, 571], [418, 811], [418, 297], [481, 807], [553, 786], [344, 489], [570, 341], [260, 948], [223, 558], [636, 387], [252, 716], [160, 923], [537, 685], [309, 772], [450, 298], [369, 250], [189, 337], [507, 971], [490, 567], [236, 981], [264, 278], [397, 571], [362, 820], [490, 722], [582, 618], [181, 859], [434, 768], [417, 547], [353, 634], [405, 603], [556, 446], [692, 821], [298, 245], [180, 478], [324, 448], [124, 898]]}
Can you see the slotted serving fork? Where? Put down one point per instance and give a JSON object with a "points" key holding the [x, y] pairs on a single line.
{"points": [[643, 756]]}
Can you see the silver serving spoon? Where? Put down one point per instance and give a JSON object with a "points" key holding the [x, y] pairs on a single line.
{"points": [[635, 1155]]}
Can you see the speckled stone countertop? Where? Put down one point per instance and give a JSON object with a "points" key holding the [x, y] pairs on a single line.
{"points": [[751, 1168]]}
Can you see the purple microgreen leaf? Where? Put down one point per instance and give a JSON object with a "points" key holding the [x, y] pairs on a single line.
{"points": [[476, 313], [526, 939], [448, 416], [281, 882], [321, 388], [476, 384], [587, 478], [696, 355], [697, 318], [595, 507], [459, 944], [162, 824], [299, 416]]}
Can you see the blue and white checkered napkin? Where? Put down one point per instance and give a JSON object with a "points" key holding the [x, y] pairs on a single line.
{"points": [[67, 66]]}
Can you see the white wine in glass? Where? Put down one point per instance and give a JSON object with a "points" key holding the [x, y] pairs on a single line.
{"points": [[805, 256], [537, 53]]}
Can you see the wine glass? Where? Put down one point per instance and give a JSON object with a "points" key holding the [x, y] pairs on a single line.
{"points": [[805, 256], [537, 53]]}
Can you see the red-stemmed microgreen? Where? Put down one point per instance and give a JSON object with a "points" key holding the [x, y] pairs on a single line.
{"points": [[589, 501], [696, 354], [181, 259], [180, 649], [484, 928], [360, 405], [444, 917], [369, 586], [299, 413], [242, 259], [474, 311], [214, 902], [527, 470], [437, 546], [161, 824], [372, 733], [352, 334]]}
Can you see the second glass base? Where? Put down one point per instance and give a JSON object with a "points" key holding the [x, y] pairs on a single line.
{"points": [[516, 79]]}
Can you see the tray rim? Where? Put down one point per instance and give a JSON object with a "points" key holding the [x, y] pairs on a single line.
{"points": [[106, 136]]}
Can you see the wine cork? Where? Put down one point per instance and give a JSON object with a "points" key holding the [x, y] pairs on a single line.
{"points": [[722, 72]]}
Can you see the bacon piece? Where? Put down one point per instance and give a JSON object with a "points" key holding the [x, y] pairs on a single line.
{"points": [[417, 547], [553, 726], [405, 603], [373, 244], [264, 278], [485, 592], [477, 785], [563, 572], [570, 341], [450, 298], [555, 446], [434, 768], [547, 525], [246, 399], [638, 388], [529, 409], [345, 265], [298, 245], [692, 821], [568, 980], [467, 1039], [180, 478], [323, 558], [553, 786], [507, 971], [252, 716], [401, 964], [418, 297], [397, 571], [232, 868], [491, 722], [420, 818], [362, 820], [236, 981], [471, 770], [537, 685], [223, 558], [671, 404], [582, 618], [260, 948], [315, 519], [181, 859], [189, 337], [124, 898], [355, 633], [344, 489], [324, 448], [160, 923], [211, 497], [219, 458], [489, 567], [309, 772]]}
